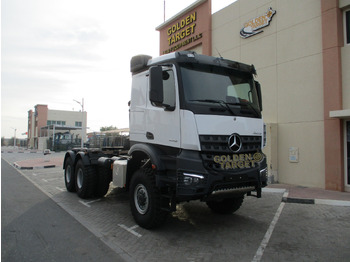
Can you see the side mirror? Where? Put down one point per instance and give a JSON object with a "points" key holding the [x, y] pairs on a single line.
{"points": [[156, 85], [258, 90]]}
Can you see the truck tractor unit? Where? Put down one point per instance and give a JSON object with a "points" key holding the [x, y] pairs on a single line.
{"points": [[196, 133]]}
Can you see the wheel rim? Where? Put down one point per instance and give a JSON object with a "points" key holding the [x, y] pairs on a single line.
{"points": [[141, 199], [68, 174], [80, 178]]}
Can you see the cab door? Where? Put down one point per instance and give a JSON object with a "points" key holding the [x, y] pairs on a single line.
{"points": [[163, 118]]}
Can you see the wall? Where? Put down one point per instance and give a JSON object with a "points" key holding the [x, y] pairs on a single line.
{"points": [[345, 54], [192, 25], [40, 117], [288, 58]]}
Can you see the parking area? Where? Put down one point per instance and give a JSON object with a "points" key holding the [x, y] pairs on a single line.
{"points": [[265, 229]]}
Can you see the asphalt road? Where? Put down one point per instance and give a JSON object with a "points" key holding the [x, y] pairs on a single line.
{"points": [[35, 228]]}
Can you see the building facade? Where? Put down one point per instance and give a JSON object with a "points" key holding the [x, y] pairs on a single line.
{"points": [[43, 122], [301, 50]]}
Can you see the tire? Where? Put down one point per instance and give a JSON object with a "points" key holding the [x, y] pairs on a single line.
{"points": [[85, 180], [103, 181], [69, 176], [145, 200], [225, 206]]}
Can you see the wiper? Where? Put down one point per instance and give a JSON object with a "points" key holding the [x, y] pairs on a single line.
{"points": [[246, 104], [220, 102]]}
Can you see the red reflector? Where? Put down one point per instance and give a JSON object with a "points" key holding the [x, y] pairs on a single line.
{"points": [[154, 166]]}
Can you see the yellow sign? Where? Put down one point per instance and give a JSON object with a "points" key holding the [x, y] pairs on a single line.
{"points": [[182, 29], [183, 43], [238, 160], [182, 33], [252, 27]]}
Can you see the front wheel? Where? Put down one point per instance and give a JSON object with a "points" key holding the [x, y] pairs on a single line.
{"points": [[145, 200], [225, 206]]}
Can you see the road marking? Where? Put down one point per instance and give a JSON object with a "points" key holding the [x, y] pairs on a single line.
{"points": [[48, 173], [34, 174], [131, 229], [49, 179], [88, 203], [266, 239], [273, 190], [60, 189]]}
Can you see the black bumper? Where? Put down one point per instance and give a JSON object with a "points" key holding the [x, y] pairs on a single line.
{"points": [[194, 181]]}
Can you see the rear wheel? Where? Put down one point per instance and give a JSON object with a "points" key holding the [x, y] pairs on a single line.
{"points": [[69, 178], [85, 180], [226, 206], [145, 200]]}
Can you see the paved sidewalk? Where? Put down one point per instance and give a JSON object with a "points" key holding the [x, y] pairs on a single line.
{"points": [[48, 161]]}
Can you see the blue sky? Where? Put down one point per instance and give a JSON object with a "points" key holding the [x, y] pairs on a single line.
{"points": [[54, 52]]}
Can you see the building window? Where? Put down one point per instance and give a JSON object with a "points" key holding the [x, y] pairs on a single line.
{"points": [[347, 26], [58, 122], [78, 124]]}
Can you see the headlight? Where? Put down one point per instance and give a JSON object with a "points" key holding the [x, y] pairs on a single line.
{"points": [[191, 179], [263, 172]]}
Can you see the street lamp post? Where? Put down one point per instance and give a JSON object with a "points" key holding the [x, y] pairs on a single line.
{"points": [[14, 138], [82, 121]]}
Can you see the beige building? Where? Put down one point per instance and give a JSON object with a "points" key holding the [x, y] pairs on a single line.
{"points": [[44, 123], [301, 50]]}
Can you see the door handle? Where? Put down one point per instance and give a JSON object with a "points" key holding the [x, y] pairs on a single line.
{"points": [[149, 135]]}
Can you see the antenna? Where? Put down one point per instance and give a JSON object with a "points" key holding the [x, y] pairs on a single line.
{"points": [[218, 52]]}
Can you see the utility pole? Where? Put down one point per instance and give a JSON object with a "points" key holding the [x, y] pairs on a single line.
{"points": [[82, 121]]}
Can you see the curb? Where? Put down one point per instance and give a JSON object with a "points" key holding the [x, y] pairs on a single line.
{"points": [[341, 203], [32, 167], [309, 201], [298, 200]]}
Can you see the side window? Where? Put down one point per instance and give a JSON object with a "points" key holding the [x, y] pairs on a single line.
{"points": [[169, 88]]}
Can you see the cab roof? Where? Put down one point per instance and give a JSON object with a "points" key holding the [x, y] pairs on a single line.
{"points": [[143, 62]]}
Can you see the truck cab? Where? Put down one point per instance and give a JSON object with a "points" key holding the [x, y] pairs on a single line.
{"points": [[198, 120]]}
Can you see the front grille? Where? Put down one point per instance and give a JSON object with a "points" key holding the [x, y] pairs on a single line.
{"points": [[217, 145]]}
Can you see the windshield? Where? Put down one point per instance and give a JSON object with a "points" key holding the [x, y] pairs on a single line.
{"points": [[217, 90]]}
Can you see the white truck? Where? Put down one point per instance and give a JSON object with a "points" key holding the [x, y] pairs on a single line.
{"points": [[196, 133]]}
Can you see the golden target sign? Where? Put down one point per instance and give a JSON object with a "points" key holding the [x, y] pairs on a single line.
{"points": [[253, 26]]}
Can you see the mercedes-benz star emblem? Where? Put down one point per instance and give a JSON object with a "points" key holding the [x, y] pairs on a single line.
{"points": [[235, 143]]}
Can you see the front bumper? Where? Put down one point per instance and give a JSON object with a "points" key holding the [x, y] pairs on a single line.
{"points": [[194, 181]]}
